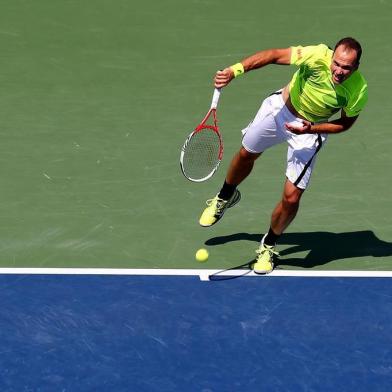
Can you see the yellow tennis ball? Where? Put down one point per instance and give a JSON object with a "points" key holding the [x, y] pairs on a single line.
{"points": [[202, 255]]}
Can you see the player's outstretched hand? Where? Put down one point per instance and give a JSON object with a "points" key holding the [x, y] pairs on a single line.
{"points": [[223, 78], [299, 127]]}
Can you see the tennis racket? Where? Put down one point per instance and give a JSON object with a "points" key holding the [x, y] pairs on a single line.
{"points": [[202, 151]]}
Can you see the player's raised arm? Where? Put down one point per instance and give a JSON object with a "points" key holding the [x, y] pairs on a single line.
{"points": [[257, 60]]}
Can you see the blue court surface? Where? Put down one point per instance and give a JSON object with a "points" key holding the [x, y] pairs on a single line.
{"points": [[172, 333]]}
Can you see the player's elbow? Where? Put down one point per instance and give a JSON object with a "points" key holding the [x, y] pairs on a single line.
{"points": [[346, 123], [343, 128], [347, 127]]}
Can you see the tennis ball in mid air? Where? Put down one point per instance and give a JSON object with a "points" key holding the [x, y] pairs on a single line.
{"points": [[202, 255]]}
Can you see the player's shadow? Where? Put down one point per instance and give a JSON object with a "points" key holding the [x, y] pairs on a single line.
{"points": [[322, 247]]}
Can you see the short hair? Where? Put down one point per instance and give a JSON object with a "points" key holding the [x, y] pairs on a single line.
{"points": [[351, 43]]}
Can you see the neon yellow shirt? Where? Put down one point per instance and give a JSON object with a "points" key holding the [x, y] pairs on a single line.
{"points": [[312, 91]]}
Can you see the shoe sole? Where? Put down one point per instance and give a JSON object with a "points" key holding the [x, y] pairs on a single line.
{"points": [[262, 272]]}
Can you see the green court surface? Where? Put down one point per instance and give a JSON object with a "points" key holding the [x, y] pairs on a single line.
{"points": [[97, 98]]}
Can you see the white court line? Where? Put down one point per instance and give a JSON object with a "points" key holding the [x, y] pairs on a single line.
{"points": [[204, 274]]}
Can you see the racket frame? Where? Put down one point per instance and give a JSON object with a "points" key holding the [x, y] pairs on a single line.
{"points": [[202, 126]]}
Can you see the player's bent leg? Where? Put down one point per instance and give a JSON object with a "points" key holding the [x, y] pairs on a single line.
{"points": [[261, 134], [240, 167], [287, 208]]}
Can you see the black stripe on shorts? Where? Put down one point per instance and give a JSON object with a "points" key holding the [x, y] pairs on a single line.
{"points": [[275, 93], [319, 145]]}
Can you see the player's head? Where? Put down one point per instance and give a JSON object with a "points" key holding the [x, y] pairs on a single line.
{"points": [[345, 60]]}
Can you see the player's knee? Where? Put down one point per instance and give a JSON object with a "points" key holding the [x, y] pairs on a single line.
{"points": [[245, 155], [291, 200], [290, 204]]}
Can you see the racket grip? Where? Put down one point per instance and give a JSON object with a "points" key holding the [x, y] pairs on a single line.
{"points": [[215, 98]]}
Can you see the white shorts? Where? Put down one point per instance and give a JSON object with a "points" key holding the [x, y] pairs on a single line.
{"points": [[268, 129]]}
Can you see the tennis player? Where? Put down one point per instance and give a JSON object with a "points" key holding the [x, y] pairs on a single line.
{"points": [[326, 83]]}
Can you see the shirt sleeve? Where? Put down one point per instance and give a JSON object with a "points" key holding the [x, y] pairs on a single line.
{"points": [[357, 102], [305, 54]]}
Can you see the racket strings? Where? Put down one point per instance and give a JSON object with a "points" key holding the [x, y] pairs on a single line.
{"points": [[201, 155]]}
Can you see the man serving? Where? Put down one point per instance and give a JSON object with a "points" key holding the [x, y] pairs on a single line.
{"points": [[327, 82]]}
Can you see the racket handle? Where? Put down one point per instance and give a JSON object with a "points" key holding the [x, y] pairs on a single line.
{"points": [[215, 98]]}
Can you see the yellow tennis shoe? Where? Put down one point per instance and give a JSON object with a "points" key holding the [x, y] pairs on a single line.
{"points": [[265, 259], [216, 207]]}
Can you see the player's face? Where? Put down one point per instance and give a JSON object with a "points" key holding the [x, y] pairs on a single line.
{"points": [[344, 63]]}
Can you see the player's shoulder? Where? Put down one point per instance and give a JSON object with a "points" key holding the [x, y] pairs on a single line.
{"points": [[357, 80], [318, 51], [323, 50], [360, 77], [320, 48], [310, 53]]}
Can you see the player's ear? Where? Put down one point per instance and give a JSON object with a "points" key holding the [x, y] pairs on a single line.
{"points": [[356, 65]]}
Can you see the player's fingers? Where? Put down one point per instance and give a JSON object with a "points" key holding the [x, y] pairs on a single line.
{"points": [[223, 77], [291, 128], [306, 125], [224, 73], [218, 84], [220, 78], [220, 81]]}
